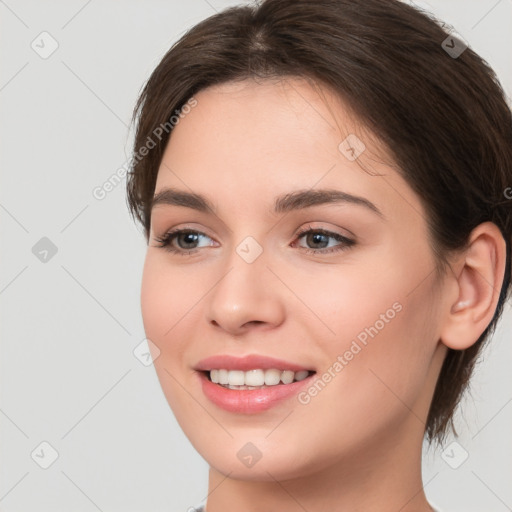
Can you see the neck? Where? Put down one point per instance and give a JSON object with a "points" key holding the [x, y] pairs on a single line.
{"points": [[384, 477]]}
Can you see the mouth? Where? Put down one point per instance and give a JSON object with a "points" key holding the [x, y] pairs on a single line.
{"points": [[258, 378], [251, 384]]}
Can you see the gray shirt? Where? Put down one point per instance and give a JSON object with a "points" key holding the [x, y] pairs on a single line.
{"points": [[202, 505]]}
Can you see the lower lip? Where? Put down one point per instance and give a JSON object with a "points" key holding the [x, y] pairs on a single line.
{"points": [[250, 401]]}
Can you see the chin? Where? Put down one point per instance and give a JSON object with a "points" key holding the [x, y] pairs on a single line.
{"points": [[262, 471], [242, 460]]}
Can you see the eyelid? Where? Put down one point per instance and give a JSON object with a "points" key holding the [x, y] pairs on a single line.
{"points": [[345, 233], [191, 227]]}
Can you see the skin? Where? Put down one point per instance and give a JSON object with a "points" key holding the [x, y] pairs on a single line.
{"points": [[357, 444]]}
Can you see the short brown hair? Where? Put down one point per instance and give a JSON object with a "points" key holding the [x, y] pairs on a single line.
{"points": [[444, 118]]}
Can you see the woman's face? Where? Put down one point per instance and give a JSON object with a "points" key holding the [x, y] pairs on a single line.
{"points": [[355, 301]]}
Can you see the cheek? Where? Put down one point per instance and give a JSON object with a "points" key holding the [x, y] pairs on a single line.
{"points": [[382, 326], [390, 356], [371, 385], [167, 296], [166, 302], [154, 300]]}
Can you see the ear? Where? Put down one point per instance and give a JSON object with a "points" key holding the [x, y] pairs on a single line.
{"points": [[478, 281]]}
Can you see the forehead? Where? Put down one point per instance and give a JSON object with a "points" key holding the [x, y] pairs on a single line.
{"points": [[252, 118], [260, 138]]}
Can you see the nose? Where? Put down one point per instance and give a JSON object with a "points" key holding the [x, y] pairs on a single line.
{"points": [[246, 296]]}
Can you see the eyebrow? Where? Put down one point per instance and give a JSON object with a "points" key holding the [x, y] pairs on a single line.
{"points": [[296, 200]]}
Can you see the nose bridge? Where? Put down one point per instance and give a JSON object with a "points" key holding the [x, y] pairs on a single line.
{"points": [[247, 291]]}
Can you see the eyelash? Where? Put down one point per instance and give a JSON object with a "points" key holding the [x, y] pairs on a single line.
{"points": [[166, 240]]}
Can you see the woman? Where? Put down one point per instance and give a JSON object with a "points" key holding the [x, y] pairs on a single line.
{"points": [[328, 237]]}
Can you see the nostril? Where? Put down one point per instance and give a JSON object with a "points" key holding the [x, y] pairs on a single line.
{"points": [[253, 322]]}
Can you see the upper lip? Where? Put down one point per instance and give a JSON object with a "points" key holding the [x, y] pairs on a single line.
{"points": [[245, 363]]}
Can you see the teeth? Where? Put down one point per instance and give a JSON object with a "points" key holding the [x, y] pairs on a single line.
{"points": [[287, 377], [252, 379], [272, 377], [223, 376], [301, 375], [236, 378]]}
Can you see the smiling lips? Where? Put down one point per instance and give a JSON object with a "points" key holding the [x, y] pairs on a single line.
{"points": [[250, 384]]}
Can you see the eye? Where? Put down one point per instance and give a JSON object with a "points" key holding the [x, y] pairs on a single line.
{"points": [[319, 239], [186, 239]]}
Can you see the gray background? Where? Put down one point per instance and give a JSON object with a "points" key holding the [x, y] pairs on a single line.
{"points": [[70, 323]]}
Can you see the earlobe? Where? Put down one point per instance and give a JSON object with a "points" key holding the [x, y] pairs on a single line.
{"points": [[478, 282]]}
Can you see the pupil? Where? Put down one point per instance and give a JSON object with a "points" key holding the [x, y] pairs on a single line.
{"points": [[187, 237], [316, 238]]}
